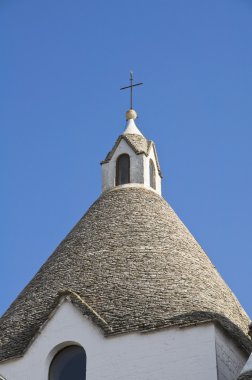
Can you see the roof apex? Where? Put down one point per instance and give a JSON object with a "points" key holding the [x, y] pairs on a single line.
{"points": [[131, 128]]}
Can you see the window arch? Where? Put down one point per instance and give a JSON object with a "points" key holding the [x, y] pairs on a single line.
{"points": [[152, 175], [123, 169], [69, 363]]}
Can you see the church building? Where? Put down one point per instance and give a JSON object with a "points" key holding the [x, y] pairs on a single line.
{"points": [[129, 294]]}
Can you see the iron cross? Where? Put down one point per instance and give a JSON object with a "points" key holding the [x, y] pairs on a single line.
{"points": [[131, 88]]}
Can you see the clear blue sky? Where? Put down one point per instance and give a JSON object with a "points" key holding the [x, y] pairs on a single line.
{"points": [[61, 66]]}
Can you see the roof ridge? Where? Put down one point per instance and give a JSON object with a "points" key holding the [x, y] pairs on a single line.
{"points": [[128, 138], [69, 292]]}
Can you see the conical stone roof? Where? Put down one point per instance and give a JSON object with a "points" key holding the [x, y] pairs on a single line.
{"points": [[131, 265]]}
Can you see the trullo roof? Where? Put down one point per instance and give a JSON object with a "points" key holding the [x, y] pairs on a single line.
{"points": [[131, 265]]}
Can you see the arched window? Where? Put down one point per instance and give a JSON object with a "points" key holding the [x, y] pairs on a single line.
{"points": [[152, 175], [69, 363], [123, 169]]}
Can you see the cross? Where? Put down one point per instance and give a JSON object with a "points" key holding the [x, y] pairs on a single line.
{"points": [[131, 88]]}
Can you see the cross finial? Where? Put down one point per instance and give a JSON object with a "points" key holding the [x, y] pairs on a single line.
{"points": [[131, 88]]}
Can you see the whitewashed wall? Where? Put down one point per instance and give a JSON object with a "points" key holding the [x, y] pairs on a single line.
{"points": [[152, 157], [248, 366], [109, 169], [168, 354], [139, 168], [230, 359]]}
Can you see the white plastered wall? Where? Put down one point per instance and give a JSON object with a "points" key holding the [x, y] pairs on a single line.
{"points": [[248, 366], [139, 168], [152, 157], [109, 169], [230, 359], [167, 354]]}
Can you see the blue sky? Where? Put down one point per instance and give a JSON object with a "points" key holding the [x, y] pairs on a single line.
{"points": [[61, 66]]}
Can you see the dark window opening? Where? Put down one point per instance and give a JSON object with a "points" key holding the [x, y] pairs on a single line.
{"points": [[69, 363], [123, 169], [152, 175]]}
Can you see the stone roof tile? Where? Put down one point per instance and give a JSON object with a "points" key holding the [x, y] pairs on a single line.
{"points": [[133, 266]]}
